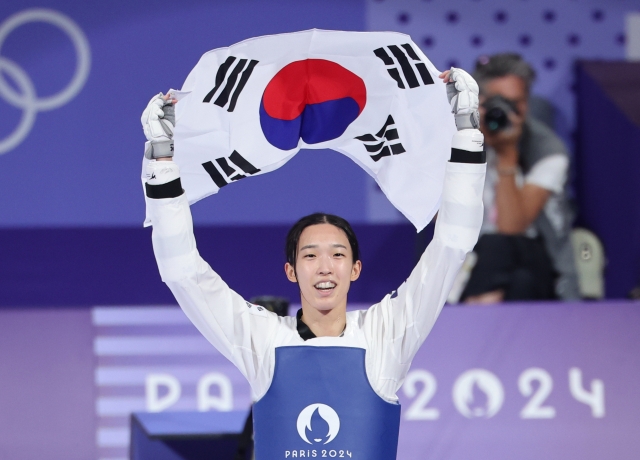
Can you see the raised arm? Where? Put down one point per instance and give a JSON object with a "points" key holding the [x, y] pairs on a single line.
{"points": [[239, 331], [398, 325]]}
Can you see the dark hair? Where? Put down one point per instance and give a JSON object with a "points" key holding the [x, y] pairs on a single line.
{"points": [[501, 65], [293, 237]]}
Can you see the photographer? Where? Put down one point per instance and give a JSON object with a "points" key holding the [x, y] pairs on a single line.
{"points": [[524, 252]]}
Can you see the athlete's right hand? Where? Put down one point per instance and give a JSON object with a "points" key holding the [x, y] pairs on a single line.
{"points": [[158, 120]]}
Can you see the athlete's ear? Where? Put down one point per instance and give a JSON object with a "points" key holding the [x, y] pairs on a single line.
{"points": [[290, 272], [356, 270]]}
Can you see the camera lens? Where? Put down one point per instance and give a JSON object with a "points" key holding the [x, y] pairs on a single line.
{"points": [[497, 110], [496, 119]]}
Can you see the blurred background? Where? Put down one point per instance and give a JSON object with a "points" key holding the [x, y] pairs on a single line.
{"points": [[89, 334]]}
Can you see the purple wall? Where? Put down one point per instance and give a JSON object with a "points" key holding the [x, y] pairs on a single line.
{"points": [[509, 341], [93, 266], [489, 382], [550, 34], [607, 163], [128, 66], [80, 163], [74, 174], [46, 385], [72, 207]]}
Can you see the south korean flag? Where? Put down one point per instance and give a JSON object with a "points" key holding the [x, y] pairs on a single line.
{"points": [[373, 96]]}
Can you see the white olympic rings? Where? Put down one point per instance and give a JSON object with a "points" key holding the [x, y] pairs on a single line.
{"points": [[28, 100]]}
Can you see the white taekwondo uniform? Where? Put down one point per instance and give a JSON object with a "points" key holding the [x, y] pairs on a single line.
{"points": [[391, 331]]}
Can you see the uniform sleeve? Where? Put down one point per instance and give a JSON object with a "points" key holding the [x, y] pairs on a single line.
{"points": [[397, 326], [241, 332]]}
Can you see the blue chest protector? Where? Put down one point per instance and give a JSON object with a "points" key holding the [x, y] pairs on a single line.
{"points": [[321, 405]]}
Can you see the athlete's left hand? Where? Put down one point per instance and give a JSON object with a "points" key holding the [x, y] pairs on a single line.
{"points": [[462, 91]]}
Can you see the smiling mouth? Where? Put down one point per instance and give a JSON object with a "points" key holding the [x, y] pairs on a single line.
{"points": [[325, 286]]}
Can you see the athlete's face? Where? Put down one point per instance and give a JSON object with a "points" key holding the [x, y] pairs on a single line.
{"points": [[324, 267]]}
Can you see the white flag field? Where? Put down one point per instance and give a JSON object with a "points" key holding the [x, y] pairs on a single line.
{"points": [[247, 109]]}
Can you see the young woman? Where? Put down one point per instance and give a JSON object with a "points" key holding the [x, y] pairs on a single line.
{"points": [[325, 381]]}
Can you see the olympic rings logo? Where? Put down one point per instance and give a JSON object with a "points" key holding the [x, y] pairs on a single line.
{"points": [[27, 99]]}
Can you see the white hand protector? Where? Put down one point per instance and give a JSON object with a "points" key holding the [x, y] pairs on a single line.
{"points": [[158, 120], [462, 91]]}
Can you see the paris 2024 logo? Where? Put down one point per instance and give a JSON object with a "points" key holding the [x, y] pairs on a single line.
{"points": [[318, 425]]}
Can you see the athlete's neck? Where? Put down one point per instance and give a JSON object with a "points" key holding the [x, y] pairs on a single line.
{"points": [[325, 323]]}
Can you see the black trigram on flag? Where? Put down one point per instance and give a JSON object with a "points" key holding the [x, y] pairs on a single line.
{"points": [[402, 54], [230, 91], [238, 169], [384, 143]]}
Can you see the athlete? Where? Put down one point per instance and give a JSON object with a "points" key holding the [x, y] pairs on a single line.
{"points": [[325, 381]]}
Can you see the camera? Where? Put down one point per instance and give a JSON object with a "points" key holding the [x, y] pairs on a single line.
{"points": [[497, 109]]}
